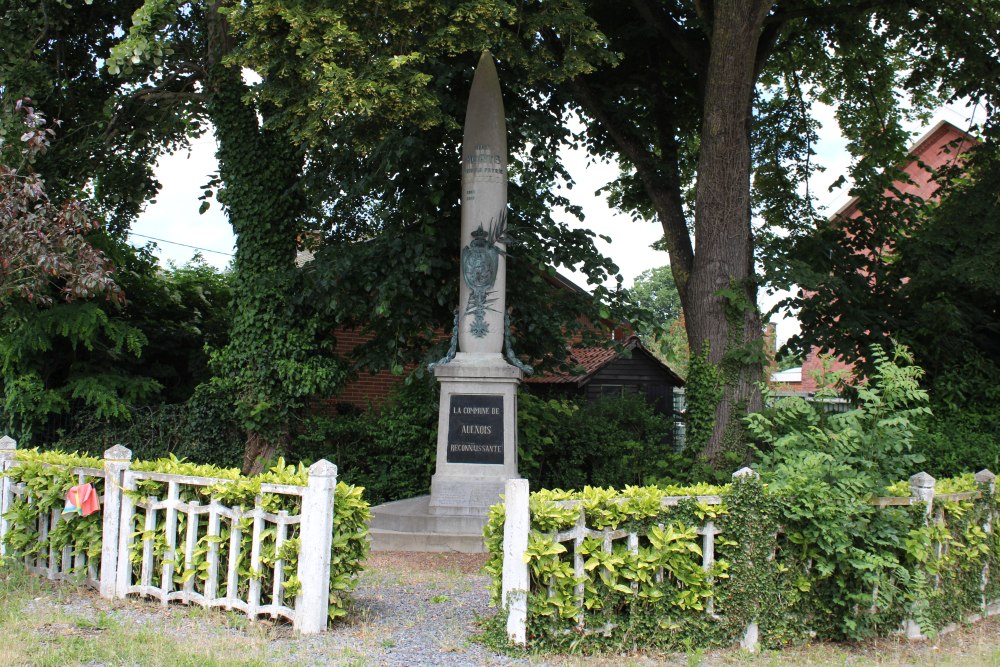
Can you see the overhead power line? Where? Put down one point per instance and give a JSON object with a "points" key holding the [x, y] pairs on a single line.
{"points": [[183, 245]]}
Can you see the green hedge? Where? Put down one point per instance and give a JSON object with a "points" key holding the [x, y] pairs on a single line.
{"points": [[48, 477], [203, 429], [785, 580], [571, 443]]}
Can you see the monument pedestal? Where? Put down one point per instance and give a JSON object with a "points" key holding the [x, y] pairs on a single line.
{"points": [[477, 433], [476, 455]]}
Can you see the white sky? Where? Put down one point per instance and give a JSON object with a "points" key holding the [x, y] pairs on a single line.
{"points": [[174, 218]]}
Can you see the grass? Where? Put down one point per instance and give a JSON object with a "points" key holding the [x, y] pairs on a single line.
{"points": [[42, 626], [973, 646]]}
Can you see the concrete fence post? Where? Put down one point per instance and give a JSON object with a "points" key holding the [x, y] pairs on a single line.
{"points": [[921, 490], [985, 478], [8, 447], [514, 582], [751, 633], [315, 542], [117, 460]]}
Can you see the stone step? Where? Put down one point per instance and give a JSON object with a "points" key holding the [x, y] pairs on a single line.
{"points": [[393, 540], [411, 525], [414, 515]]}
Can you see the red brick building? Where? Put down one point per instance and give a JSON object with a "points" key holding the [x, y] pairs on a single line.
{"points": [[599, 371], [939, 147]]}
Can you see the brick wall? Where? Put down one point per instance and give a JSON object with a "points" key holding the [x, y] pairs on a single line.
{"points": [[939, 147]]}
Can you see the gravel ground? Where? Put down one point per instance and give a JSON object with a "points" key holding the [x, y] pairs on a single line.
{"points": [[410, 609], [417, 609]]}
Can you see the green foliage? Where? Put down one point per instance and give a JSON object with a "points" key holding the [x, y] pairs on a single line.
{"points": [[701, 392], [827, 466], [960, 439], [106, 148], [389, 452], [203, 429], [861, 450], [89, 362], [48, 476], [654, 290], [803, 549], [796, 562], [71, 354], [183, 311], [662, 326], [570, 444]]}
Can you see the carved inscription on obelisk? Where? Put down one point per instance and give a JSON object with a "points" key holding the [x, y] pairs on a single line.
{"points": [[475, 429], [484, 215]]}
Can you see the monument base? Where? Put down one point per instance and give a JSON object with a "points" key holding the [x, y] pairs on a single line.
{"points": [[476, 455], [477, 433], [409, 525]]}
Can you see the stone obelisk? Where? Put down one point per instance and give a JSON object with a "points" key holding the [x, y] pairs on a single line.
{"points": [[477, 422]]}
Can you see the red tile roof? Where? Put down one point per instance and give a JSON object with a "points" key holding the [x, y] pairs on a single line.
{"points": [[587, 360]]}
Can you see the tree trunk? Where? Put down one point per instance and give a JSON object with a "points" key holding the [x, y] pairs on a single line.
{"points": [[259, 170], [721, 303], [259, 450]]}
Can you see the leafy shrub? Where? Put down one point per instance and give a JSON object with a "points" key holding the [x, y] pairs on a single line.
{"points": [[798, 567], [862, 450], [963, 434], [390, 453], [960, 439], [203, 430], [827, 466], [569, 444]]}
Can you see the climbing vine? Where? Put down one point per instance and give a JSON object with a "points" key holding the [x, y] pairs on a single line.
{"points": [[702, 393]]}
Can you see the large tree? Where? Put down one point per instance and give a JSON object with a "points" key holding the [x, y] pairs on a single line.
{"points": [[706, 105], [374, 210]]}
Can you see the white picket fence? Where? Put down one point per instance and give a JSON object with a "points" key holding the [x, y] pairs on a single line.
{"points": [[516, 585], [122, 511]]}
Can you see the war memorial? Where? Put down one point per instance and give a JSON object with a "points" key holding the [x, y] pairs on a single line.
{"points": [[477, 422]]}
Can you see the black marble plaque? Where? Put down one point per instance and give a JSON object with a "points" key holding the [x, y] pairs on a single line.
{"points": [[475, 429]]}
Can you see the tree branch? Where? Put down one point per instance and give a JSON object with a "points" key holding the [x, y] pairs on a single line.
{"points": [[171, 95], [825, 11], [775, 22], [694, 53], [663, 188]]}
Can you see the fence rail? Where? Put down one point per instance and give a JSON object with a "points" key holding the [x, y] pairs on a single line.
{"points": [[237, 583], [516, 584]]}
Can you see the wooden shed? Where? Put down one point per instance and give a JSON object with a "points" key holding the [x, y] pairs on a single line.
{"points": [[608, 373]]}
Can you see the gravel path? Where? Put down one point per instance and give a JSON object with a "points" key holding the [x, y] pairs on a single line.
{"points": [[410, 609]]}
